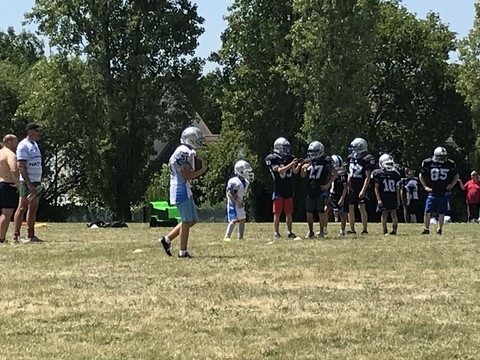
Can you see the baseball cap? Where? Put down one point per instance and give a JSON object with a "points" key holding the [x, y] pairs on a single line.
{"points": [[32, 126]]}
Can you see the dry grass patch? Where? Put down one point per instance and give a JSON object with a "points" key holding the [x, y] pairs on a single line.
{"points": [[85, 294]]}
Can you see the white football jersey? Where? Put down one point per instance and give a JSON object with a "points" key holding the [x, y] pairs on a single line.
{"points": [[180, 188], [237, 187]]}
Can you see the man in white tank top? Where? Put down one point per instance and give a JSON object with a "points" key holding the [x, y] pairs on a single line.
{"points": [[29, 160]]}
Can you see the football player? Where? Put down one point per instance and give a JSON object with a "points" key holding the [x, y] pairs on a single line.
{"points": [[361, 164], [283, 165], [237, 188], [438, 175], [387, 191], [409, 195], [182, 172], [318, 167], [338, 193]]}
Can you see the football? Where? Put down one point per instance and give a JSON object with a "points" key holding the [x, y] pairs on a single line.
{"points": [[198, 163]]}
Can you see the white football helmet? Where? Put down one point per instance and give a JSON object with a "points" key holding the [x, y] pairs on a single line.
{"points": [[358, 146], [386, 162], [337, 162], [440, 154], [193, 137], [315, 149], [281, 146], [243, 168]]}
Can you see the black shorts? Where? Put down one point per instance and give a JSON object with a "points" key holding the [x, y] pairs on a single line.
{"points": [[353, 198], [8, 196], [414, 207], [389, 202], [315, 204]]}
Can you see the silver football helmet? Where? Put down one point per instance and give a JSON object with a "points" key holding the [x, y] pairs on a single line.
{"points": [[337, 162], [315, 149], [193, 137], [243, 168], [282, 146], [358, 146], [440, 154], [386, 162]]}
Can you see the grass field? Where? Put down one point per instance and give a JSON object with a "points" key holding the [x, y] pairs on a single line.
{"points": [[85, 294]]}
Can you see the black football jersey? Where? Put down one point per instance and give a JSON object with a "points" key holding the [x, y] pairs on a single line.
{"points": [[282, 183], [388, 184], [438, 175], [357, 170], [336, 190], [317, 173]]}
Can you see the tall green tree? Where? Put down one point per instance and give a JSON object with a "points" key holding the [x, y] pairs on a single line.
{"points": [[23, 49], [61, 95], [468, 81], [18, 53], [142, 52], [256, 104], [331, 66], [413, 104]]}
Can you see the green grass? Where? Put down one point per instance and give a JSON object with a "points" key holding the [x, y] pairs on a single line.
{"points": [[85, 294]]}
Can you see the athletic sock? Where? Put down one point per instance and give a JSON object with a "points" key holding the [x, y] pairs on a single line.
{"points": [[230, 227], [241, 230]]}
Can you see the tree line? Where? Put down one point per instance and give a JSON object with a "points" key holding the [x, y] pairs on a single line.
{"points": [[123, 74]]}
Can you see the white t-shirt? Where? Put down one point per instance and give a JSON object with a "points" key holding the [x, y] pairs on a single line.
{"points": [[30, 152], [180, 188], [412, 188]]}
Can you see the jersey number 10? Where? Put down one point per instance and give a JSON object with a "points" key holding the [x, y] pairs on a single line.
{"points": [[388, 185]]}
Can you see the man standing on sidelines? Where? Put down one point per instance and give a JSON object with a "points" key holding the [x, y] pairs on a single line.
{"points": [[410, 198], [29, 160], [9, 182], [472, 188]]}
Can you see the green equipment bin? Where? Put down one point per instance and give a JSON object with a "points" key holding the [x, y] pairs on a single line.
{"points": [[163, 214]]}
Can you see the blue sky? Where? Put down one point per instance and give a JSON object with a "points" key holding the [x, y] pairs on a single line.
{"points": [[457, 14]]}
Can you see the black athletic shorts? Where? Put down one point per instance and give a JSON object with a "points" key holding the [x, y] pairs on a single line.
{"points": [[315, 204], [8, 196]]}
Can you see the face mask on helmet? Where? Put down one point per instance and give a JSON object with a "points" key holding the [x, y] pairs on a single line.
{"points": [[242, 168], [440, 154], [193, 137], [281, 146], [386, 162], [358, 146], [315, 149], [337, 162]]}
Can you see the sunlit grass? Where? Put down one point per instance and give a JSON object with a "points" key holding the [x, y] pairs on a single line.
{"points": [[88, 294]]}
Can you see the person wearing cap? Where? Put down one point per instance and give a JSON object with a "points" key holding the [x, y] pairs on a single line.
{"points": [[29, 161], [472, 188], [9, 182]]}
